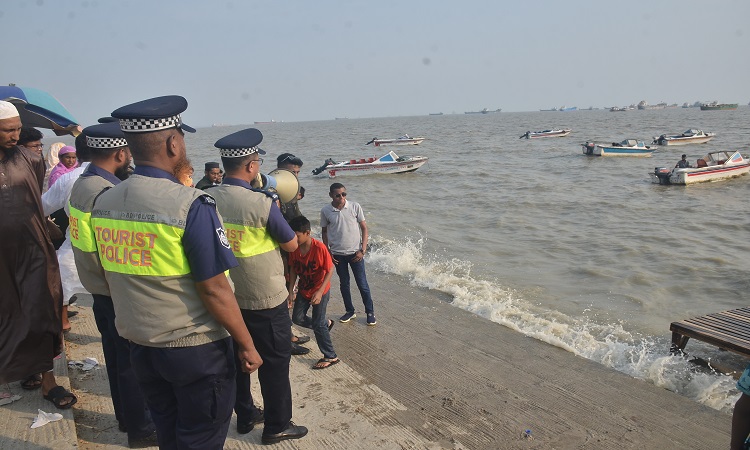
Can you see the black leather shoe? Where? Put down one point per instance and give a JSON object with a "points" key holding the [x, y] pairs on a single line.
{"points": [[246, 427], [144, 442], [299, 350], [301, 340], [292, 432]]}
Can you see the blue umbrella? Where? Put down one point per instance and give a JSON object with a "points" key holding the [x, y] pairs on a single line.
{"points": [[40, 109]]}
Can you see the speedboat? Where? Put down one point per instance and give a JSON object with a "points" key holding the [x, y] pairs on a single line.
{"points": [[688, 137], [403, 140], [628, 147], [388, 163], [546, 133], [714, 166]]}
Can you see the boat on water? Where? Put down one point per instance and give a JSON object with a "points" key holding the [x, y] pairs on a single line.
{"points": [[546, 133], [622, 108], [714, 166], [388, 163], [714, 106], [403, 140], [568, 108], [270, 121], [628, 147], [436, 114], [554, 108], [484, 111], [690, 136]]}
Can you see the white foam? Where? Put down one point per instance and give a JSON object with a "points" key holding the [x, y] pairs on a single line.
{"points": [[610, 344]]}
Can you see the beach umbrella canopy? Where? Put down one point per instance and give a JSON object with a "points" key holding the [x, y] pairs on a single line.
{"points": [[40, 109]]}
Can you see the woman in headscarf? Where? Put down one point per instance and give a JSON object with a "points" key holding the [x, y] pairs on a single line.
{"points": [[68, 162], [51, 159]]}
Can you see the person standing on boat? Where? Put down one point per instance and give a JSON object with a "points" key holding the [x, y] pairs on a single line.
{"points": [[164, 252], [31, 294], [255, 231], [345, 234], [110, 160], [212, 177], [683, 163]]}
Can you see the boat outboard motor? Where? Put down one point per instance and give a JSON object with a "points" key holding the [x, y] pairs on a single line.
{"points": [[662, 173], [588, 148], [320, 169], [525, 135]]}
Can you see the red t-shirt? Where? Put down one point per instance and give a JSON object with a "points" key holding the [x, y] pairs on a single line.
{"points": [[311, 268]]}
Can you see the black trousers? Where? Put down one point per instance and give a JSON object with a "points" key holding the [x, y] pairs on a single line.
{"points": [[272, 334], [189, 391], [127, 398]]}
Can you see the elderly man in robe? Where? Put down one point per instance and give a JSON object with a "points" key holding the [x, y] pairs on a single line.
{"points": [[31, 294]]}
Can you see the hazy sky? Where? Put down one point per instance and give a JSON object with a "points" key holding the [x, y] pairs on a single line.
{"points": [[243, 61]]}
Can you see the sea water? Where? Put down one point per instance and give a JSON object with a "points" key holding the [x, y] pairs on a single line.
{"points": [[585, 253]]}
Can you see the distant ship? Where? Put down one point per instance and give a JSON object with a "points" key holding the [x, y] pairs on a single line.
{"points": [[484, 111], [436, 114], [714, 106], [571, 108], [553, 109], [260, 123], [340, 118]]}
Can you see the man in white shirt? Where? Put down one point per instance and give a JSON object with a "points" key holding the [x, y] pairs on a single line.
{"points": [[345, 235]]}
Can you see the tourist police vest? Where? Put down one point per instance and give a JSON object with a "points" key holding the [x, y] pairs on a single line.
{"points": [[138, 226], [259, 281], [82, 239]]}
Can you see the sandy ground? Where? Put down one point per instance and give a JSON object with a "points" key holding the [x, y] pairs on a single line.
{"points": [[428, 376]]}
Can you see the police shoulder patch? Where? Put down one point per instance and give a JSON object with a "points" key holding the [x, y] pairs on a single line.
{"points": [[222, 237], [208, 199]]}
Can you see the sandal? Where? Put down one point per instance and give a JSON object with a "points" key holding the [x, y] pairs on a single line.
{"points": [[32, 382], [324, 363], [58, 394]]}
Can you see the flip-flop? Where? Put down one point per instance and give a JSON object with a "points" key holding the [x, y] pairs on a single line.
{"points": [[72, 314], [6, 398], [57, 394], [330, 362], [32, 382], [330, 324]]}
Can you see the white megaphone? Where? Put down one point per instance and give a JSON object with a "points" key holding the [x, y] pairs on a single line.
{"points": [[282, 182]]}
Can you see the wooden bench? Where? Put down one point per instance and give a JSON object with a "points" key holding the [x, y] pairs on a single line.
{"points": [[729, 330]]}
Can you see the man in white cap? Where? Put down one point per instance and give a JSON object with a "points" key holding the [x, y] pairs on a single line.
{"points": [[31, 294]]}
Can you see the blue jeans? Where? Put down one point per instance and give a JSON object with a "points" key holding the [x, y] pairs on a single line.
{"points": [[358, 269], [318, 323]]}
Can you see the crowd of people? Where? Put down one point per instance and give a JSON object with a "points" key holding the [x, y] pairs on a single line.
{"points": [[153, 250]]}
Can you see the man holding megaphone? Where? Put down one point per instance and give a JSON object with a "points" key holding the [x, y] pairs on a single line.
{"points": [[255, 230]]}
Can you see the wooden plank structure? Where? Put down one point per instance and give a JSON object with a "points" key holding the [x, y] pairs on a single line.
{"points": [[729, 330]]}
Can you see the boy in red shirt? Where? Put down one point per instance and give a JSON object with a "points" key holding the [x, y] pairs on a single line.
{"points": [[312, 263]]}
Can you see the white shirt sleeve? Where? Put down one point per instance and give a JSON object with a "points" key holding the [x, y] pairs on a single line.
{"points": [[58, 195]]}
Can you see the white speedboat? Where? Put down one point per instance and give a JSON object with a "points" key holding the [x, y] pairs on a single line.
{"points": [[546, 133], [388, 163], [688, 137], [403, 140], [628, 147], [714, 166]]}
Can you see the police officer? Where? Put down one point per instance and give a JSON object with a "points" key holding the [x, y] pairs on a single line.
{"points": [[164, 252], [256, 229], [110, 159]]}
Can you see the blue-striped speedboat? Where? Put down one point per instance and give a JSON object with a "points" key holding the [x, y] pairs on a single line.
{"points": [[628, 147]]}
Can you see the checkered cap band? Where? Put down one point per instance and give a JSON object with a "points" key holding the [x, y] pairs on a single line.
{"points": [[146, 125], [237, 152], [97, 142]]}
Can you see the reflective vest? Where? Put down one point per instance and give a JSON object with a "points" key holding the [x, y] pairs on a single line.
{"points": [[259, 281], [89, 268], [138, 226]]}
